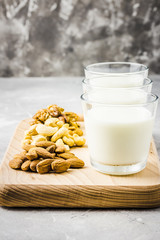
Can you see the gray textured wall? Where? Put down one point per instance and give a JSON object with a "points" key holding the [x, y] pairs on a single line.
{"points": [[58, 37]]}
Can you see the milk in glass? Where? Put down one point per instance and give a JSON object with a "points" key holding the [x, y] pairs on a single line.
{"points": [[116, 80], [118, 96], [118, 135]]}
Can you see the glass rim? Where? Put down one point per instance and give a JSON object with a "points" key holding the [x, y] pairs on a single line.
{"points": [[107, 63], [127, 88], [155, 98]]}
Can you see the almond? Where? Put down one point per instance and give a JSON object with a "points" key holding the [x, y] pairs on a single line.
{"points": [[44, 153], [51, 148], [27, 147], [15, 163], [26, 165], [58, 158], [32, 154], [75, 162], [60, 149], [60, 166], [66, 155], [45, 144], [44, 166], [22, 156], [33, 165]]}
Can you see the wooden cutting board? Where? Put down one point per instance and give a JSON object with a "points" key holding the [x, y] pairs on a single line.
{"points": [[78, 187]]}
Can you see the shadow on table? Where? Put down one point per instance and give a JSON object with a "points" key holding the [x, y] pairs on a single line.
{"points": [[79, 209]]}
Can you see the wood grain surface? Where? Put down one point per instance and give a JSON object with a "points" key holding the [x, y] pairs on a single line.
{"points": [[78, 187]]}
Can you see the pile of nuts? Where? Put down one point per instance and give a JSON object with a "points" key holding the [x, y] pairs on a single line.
{"points": [[55, 125], [47, 142], [45, 157]]}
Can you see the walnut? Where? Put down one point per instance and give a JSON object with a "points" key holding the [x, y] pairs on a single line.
{"points": [[42, 115], [54, 110], [70, 117], [34, 121], [61, 118]]}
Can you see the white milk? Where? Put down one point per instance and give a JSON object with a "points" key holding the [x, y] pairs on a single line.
{"points": [[119, 135], [118, 96], [116, 81]]}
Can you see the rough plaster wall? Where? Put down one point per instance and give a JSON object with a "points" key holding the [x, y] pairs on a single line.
{"points": [[58, 37]]}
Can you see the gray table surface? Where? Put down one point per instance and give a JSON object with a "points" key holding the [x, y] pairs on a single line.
{"points": [[19, 99]]}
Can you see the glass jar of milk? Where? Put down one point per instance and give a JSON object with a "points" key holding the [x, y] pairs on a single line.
{"points": [[119, 132], [117, 74], [98, 83]]}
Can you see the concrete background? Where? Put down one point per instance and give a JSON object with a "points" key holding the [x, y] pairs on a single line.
{"points": [[59, 37], [20, 99]]}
